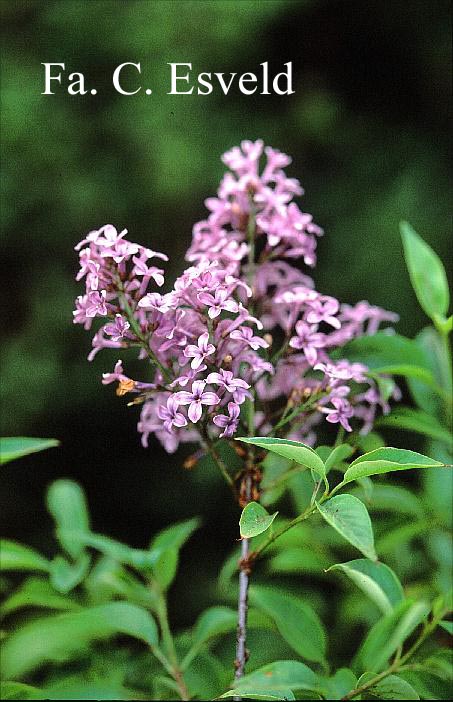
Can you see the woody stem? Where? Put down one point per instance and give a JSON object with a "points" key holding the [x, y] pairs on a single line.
{"points": [[244, 578]]}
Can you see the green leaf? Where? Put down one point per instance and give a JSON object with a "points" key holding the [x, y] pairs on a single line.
{"points": [[432, 344], [205, 677], [296, 621], [440, 663], [59, 637], [175, 535], [293, 450], [386, 460], [15, 556], [390, 498], [337, 455], [389, 633], [376, 580], [426, 272], [292, 675], [36, 592], [65, 576], [415, 420], [429, 685], [165, 568], [297, 560], [392, 354], [392, 540], [11, 690], [381, 350], [67, 504], [335, 687], [13, 447], [448, 626], [214, 622], [108, 580], [134, 557], [390, 688], [349, 516], [254, 520], [246, 693], [276, 472], [75, 687]]}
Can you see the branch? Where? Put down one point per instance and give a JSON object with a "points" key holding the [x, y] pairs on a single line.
{"points": [[399, 662], [244, 565], [210, 449]]}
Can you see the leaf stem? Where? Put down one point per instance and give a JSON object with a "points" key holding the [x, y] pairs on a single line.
{"points": [[173, 668], [399, 661], [294, 522]]}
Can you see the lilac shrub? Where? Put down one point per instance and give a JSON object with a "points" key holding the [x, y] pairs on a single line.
{"points": [[242, 326]]}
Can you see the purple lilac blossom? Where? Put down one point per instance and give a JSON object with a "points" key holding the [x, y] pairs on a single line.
{"points": [[231, 329]]}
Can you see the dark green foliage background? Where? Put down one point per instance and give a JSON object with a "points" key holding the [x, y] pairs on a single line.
{"points": [[366, 129]]}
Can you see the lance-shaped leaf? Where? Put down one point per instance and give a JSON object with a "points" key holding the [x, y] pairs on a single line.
{"points": [[65, 576], [337, 455], [338, 685], [57, 638], [389, 633], [13, 447], [390, 688], [349, 516], [214, 622], [293, 450], [67, 504], [37, 592], [14, 556], [12, 690], [376, 580], [386, 460], [265, 694], [254, 520], [427, 273], [415, 420], [279, 675], [137, 558], [296, 621], [175, 535]]}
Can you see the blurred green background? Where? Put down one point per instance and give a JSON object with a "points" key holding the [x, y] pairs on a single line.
{"points": [[367, 131]]}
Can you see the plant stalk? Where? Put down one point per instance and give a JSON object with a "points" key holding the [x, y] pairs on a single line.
{"points": [[244, 579], [167, 638]]}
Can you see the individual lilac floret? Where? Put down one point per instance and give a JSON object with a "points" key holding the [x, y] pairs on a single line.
{"points": [[170, 415], [342, 412], [196, 399], [117, 329], [246, 335], [323, 310], [96, 304], [228, 423], [200, 351], [308, 340], [236, 386], [218, 302]]}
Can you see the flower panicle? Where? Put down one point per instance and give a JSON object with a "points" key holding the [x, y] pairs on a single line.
{"points": [[242, 323]]}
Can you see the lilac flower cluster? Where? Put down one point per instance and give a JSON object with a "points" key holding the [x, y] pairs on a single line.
{"points": [[240, 324]]}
